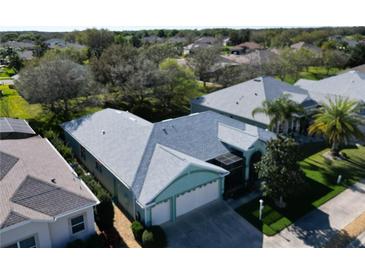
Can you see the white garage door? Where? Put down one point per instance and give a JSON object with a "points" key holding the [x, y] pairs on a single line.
{"points": [[196, 198], [160, 213]]}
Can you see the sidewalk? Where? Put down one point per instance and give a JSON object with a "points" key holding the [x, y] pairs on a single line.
{"points": [[319, 226]]}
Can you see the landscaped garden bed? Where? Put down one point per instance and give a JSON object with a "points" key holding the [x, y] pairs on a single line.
{"points": [[321, 176]]}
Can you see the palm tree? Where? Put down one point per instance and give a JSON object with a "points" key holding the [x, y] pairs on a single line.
{"points": [[279, 111], [338, 121]]}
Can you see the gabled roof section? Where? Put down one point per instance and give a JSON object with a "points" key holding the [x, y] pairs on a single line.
{"points": [[116, 138], [167, 165], [12, 219], [240, 100], [49, 199], [349, 84], [40, 184], [7, 162], [9, 126], [243, 139]]}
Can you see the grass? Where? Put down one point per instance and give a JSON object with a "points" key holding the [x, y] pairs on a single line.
{"points": [[321, 176], [313, 73], [13, 105], [6, 72]]}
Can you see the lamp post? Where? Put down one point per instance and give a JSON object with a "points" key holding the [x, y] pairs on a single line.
{"points": [[261, 208], [339, 178]]}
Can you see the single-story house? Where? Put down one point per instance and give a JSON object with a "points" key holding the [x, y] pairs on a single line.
{"points": [[42, 201], [240, 100], [245, 47], [202, 42], [303, 45], [255, 57], [160, 171], [349, 84]]}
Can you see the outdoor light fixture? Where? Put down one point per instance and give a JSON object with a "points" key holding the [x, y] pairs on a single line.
{"points": [[261, 208]]}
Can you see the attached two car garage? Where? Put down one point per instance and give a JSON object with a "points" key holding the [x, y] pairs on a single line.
{"points": [[179, 205]]}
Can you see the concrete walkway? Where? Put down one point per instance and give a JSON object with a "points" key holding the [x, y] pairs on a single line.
{"points": [[317, 227]]}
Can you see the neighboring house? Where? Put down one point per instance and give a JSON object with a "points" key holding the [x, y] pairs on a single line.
{"points": [[152, 39], [349, 84], [240, 100], [55, 43], [203, 42], [246, 47], [256, 57], [177, 40], [160, 171], [18, 46], [26, 55], [42, 201], [307, 46]]}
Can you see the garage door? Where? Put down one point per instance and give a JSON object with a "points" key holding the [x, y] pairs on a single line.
{"points": [[160, 213], [196, 198]]}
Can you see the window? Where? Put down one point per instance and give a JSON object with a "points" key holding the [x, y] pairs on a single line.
{"points": [[82, 152], [98, 167], [77, 224], [27, 243]]}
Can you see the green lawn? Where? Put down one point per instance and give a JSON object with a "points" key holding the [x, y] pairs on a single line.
{"points": [[321, 176], [13, 105], [313, 73]]}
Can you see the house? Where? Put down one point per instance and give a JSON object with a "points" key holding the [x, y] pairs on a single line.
{"points": [[152, 39], [42, 201], [246, 47], [256, 57], [360, 68], [55, 43], [349, 84], [160, 171], [202, 42], [303, 45], [26, 55], [240, 100]]}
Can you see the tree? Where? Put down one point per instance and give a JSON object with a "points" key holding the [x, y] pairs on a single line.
{"points": [[96, 40], [203, 61], [177, 84], [338, 121], [334, 58], [239, 36], [280, 171], [159, 52], [280, 111], [115, 65], [54, 83], [357, 56]]}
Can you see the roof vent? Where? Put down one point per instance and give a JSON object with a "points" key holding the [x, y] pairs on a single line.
{"points": [[53, 180], [165, 131], [237, 102], [255, 93], [103, 132], [133, 119], [257, 80]]}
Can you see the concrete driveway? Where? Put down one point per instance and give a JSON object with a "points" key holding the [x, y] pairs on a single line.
{"points": [[214, 225]]}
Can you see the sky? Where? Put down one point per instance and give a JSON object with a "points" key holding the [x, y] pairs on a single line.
{"points": [[68, 15]]}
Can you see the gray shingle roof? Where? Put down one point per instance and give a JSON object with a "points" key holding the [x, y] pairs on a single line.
{"points": [[130, 143], [240, 100], [6, 163], [165, 166], [38, 199], [48, 199], [10, 125], [349, 84], [12, 219]]}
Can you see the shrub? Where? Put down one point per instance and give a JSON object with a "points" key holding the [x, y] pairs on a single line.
{"points": [[148, 239], [104, 211], [154, 237], [137, 229]]}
